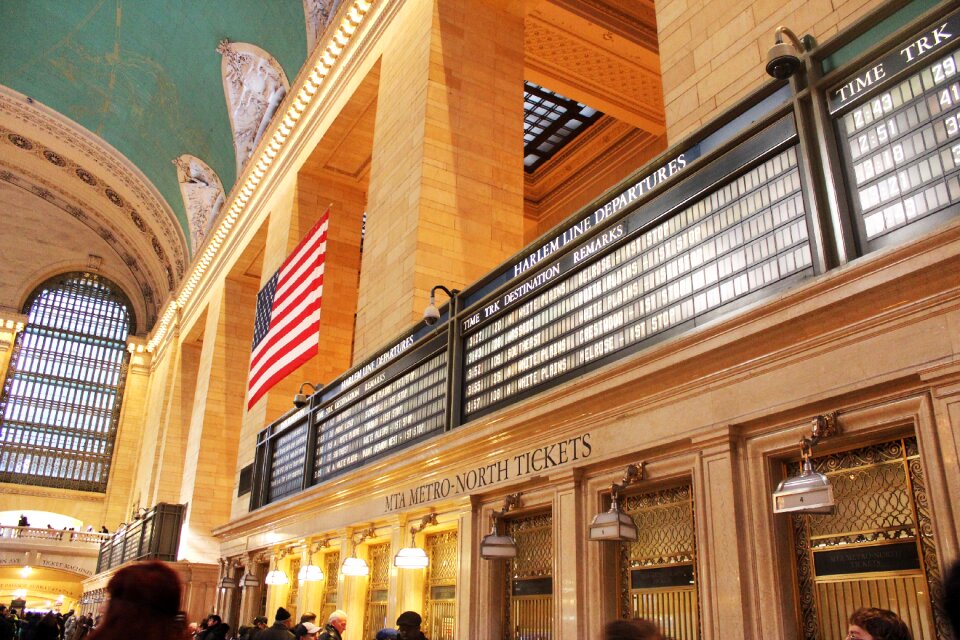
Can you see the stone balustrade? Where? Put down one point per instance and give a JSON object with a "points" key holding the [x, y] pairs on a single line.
{"points": [[53, 535]]}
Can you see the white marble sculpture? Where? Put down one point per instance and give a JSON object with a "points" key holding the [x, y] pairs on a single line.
{"points": [[254, 85], [202, 194], [317, 14]]}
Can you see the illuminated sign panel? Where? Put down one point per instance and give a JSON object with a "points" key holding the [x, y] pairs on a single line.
{"points": [[286, 464], [900, 133], [638, 279], [398, 405]]}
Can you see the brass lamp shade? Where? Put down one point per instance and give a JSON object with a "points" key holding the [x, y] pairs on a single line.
{"points": [[310, 573], [497, 547], [810, 492], [354, 566], [613, 525], [411, 558]]}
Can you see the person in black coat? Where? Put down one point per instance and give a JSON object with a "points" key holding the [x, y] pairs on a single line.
{"points": [[280, 629], [408, 626], [216, 629]]}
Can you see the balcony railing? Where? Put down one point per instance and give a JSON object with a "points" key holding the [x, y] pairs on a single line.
{"points": [[154, 536], [784, 187], [52, 535]]}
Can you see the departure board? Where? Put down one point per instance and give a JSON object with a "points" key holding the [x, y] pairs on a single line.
{"points": [[388, 411], [286, 462], [745, 234], [901, 138]]}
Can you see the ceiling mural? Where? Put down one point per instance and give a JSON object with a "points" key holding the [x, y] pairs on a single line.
{"points": [[146, 78]]}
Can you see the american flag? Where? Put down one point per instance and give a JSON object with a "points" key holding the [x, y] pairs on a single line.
{"points": [[286, 331]]}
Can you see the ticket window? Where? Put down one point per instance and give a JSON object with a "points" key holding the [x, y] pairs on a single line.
{"points": [[658, 571], [875, 550], [440, 586], [378, 585], [328, 601], [529, 579]]}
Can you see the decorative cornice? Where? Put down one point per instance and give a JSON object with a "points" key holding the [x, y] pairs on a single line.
{"points": [[96, 152], [127, 248]]}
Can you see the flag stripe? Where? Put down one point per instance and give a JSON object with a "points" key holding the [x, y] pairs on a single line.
{"points": [[288, 314], [290, 330]]}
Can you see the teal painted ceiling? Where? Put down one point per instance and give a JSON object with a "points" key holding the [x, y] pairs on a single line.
{"points": [[144, 74]]}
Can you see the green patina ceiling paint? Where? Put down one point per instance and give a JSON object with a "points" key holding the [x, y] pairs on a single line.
{"points": [[144, 74]]}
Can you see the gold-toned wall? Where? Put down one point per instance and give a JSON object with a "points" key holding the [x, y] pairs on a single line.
{"points": [[713, 54]]}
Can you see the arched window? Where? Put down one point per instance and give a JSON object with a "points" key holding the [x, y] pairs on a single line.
{"points": [[61, 398]]}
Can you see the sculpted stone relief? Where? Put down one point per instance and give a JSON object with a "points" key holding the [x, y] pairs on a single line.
{"points": [[202, 194], [254, 84], [318, 14]]}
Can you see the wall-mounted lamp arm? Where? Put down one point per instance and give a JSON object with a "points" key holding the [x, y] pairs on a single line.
{"points": [[822, 426], [426, 521]]}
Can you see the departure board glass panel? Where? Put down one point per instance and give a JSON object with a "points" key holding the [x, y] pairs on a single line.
{"points": [[903, 148], [286, 463], [747, 234], [359, 426]]}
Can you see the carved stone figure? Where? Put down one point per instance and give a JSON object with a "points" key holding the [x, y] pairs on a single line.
{"points": [[318, 14], [202, 194], [254, 85]]}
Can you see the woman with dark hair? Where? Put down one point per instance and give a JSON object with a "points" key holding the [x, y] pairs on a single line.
{"points": [[47, 628], [635, 629], [877, 624], [144, 601]]}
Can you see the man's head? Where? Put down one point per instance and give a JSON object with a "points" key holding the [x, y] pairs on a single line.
{"points": [[408, 625], [308, 617], [338, 620], [283, 616], [876, 624], [260, 622], [311, 629], [213, 620]]}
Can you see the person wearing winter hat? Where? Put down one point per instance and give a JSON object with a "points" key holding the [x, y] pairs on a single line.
{"points": [[280, 629], [408, 626], [310, 630], [300, 630]]}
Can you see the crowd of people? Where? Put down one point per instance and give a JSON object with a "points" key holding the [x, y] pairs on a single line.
{"points": [[408, 628], [145, 599], [50, 625]]}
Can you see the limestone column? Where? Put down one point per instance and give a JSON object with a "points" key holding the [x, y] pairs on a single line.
{"points": [[208, 479], [118, 504], [468, 542], [446, 179], [721, 528], [568, 548], [10, 326]]}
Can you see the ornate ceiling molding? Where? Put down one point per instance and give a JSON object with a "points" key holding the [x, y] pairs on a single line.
{"points": [[620, 77], [98, 167], [149, 281], [635, 20]]}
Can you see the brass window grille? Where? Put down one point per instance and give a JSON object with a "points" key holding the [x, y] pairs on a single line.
{"points": [[875, 550], [293, 569], [375, 613], [331, 586], [529, 579], [658, 571], [60, 403], [440, 586]]}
